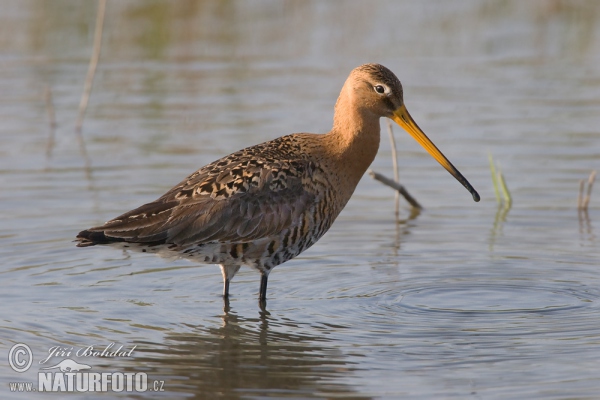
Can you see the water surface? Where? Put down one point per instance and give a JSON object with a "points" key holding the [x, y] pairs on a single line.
{"points": [[461, 300]]}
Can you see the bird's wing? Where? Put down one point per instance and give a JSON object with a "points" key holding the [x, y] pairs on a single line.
{"points": [[242, 197]]}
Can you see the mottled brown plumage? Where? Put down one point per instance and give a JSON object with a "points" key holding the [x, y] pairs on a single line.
{"points": [[265, 204]]}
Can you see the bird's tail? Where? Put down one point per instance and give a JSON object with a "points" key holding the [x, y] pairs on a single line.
{"points": [[91, 238]]}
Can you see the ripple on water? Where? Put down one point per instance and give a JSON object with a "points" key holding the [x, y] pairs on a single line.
{"points": [[527, 320], [495, 298]]}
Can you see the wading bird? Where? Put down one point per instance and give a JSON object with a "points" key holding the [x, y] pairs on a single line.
{"points": [[265, 204]]}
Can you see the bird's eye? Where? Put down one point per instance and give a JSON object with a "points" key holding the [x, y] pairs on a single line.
{"points": [[379, 89]]}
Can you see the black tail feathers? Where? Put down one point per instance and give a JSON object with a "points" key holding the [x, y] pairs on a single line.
{"points": [[90, 238]]}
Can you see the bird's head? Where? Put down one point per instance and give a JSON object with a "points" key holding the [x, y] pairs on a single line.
{"points": [[380, 93]]}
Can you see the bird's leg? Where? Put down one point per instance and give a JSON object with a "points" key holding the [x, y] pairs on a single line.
{"points": [[262, 294], [262, 304], [226, 288], [226, 307], [228, 272]]}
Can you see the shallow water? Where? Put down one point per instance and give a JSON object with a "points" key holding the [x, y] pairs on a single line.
{"points": [[461, 300]]}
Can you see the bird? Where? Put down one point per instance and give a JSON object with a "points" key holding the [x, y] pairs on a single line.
{"points": [[264, 205]]}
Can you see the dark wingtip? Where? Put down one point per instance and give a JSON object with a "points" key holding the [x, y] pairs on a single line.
{"points": [[475, 195]]}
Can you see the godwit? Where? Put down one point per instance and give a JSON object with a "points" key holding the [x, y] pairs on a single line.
{"points": [[265, 204]]}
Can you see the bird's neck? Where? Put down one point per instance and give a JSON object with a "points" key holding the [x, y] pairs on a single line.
{"points": [[354, 139]]}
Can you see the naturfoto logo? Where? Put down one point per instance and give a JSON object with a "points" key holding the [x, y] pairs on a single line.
{"points": [[69, 375]]}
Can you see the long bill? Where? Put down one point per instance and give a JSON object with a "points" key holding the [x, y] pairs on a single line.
{"points": [[403, 118]]}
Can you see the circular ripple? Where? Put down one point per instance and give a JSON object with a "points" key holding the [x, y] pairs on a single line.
{"points": [[485, 298]]}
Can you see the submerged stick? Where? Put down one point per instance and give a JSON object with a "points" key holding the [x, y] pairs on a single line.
{"points": [[580, 197], [396, 186], [394, 164], [51, 121], [50, 107], [584, 200], [87, 89], [394, 152]]}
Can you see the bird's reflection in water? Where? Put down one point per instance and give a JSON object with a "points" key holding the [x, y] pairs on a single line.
{"points": [[240, 357]]}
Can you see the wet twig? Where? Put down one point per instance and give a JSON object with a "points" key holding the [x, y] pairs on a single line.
{"points": [[87, 89], [585, 223], [396, 186], [51, 121], [50, 107], [395, 183], [584, 199], [394, 164]]}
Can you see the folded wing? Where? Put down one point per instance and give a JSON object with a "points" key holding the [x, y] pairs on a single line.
{"points": [[239, 198]]}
